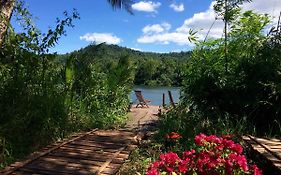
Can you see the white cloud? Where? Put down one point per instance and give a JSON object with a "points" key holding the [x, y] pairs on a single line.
{"points": [[136, 49], [156, 28], [165, 38], [146, 6], [177, 8], [202, 22], [166, 26], [271, 7], [179, 50], [108, 38], [160, 33]]}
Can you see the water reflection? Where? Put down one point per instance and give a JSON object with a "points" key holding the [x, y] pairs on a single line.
{"points": [[155, 94]]}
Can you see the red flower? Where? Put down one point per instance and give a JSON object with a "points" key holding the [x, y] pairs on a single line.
{"points": [[214, 139], [228, 136], [152, 172], [256, 170], [214, 156], [170, 158], [173, 135], [200, 139], [183, 166], [239, 160], [188, 154]]}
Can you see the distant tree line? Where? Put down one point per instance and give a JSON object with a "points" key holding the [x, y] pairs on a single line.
{"points": [[153, 69]]}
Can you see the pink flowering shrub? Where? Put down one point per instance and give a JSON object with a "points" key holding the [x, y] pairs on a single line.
{"points": [[214, 156]]}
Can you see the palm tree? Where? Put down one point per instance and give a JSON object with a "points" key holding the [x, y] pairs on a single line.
{"points": [[7, 6], [119, 4]]}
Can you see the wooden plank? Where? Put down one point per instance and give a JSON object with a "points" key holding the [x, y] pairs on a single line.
{"points": [[65, 161], [61, 166], [87, 148], [102, 143], [86, 157], [23, 163], [274, 147], [90, 146], [52, 172], [109, 160], [24, 173], [97, 155], [101, 152], [260, 146], [266, 145], [115, 139], [118, 141], [103, 169], [99, 144], [89, 152], [122, 134], [95, 145], [110, 171], [112, 133]]}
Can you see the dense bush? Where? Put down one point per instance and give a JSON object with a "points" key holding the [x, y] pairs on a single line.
{"points": [[249, 88]]}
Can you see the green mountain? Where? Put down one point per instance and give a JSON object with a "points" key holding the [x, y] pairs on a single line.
{"points": [[154, 69]]}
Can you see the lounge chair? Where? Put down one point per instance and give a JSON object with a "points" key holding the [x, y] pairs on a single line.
{"points": [[142, 102]]}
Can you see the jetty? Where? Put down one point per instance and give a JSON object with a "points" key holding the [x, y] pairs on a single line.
{"points": [[99, 152]]}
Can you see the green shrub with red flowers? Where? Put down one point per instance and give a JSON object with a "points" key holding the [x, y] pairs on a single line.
{"points": [[213, 156]]}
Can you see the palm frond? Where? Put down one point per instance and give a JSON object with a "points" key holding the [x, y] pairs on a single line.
{"points": [[119, 4]]}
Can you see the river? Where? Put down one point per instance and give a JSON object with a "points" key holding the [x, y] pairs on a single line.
{"points": [[155, 94]]}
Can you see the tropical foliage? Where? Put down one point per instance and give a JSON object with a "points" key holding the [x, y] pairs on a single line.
{"points": [[153, 69], [242, 99], [230, 85], [248, 88], [44, 98]]}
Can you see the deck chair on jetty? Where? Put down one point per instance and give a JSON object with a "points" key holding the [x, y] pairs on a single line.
{"points": [[142, 101]]}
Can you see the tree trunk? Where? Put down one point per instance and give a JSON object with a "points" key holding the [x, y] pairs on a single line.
{"points": [[225, 34], [6, 10]]}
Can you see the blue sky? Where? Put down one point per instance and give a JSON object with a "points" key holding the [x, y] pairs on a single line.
{"points": [[157, 25]]}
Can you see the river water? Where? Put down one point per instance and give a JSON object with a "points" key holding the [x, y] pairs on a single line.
{"points": [[155, 94]]}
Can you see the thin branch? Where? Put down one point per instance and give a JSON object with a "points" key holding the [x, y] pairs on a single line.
{"points": [[209, 30]]}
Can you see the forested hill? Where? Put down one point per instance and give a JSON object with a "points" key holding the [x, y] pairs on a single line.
{"points": [[105, 51], [154, 69]]}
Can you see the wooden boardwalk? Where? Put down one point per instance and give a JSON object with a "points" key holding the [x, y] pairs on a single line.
{"points": [[99, 152], [270, 149], [142, 119]]}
